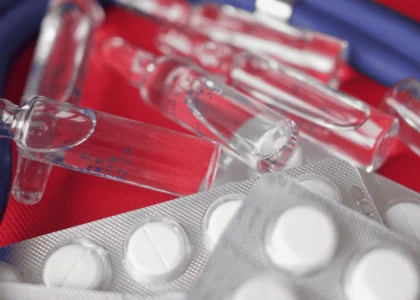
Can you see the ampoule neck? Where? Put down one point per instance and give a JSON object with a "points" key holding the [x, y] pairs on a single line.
{"points": [[132, 63], [143, 64], [11, 118]]}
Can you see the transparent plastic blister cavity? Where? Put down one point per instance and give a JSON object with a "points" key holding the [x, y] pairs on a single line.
{"points": [[337, 180], [398, 206], [8, 273], [161, 248], [288, 243], [157, 249], [77, 263]]}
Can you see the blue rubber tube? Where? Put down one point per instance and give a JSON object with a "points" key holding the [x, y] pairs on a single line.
{"points": [[106, 2], [17, 26], [379, 22], [5, 5], [368, 56], [241, 4]]}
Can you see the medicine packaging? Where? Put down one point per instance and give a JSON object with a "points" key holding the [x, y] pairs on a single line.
{"points": [[162, 248], [157, 249], [288, 243], [13, 291], [305, 153], [398, 206], [337, 180]]}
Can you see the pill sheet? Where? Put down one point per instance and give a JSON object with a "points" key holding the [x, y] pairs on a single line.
{"points": [[288, 243], [398, 206], [161, 248], [17, 291]]}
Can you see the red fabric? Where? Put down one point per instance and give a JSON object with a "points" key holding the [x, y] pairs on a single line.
{"points": [[73, 198]]}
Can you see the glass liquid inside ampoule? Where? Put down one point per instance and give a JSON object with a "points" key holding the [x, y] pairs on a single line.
{"points": [[186, 95], [403, 102], [320, 56], [351, 130], [315, 54], [116, 148], [343, 125], [58, 71], [217, 112], [201, 103]]}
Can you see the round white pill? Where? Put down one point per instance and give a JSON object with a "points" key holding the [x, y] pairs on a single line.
{"points": [[80, 264], [405, 219], [218, 217], [8, 273], [382, 274], [156, 250], [321, 186], [264, 287], [302, 239]]}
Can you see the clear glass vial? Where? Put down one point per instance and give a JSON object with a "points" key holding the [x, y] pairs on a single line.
{"points": [[341, 124], [403, 102], [203, 104], [58, 72], [112, 147]]}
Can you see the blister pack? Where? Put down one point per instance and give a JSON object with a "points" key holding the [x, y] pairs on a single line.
{"points": [[162, 248], [398, 206], [337, 180], [20, 291], [288, 243]]}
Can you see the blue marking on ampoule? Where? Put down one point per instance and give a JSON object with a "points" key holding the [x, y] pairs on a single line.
{"points": [[108, 169], [124, 160], [122, 173], [112, 159], [77, 92], [128, 151], [85, 156]]}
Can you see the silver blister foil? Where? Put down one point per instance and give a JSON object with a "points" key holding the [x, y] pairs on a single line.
{"points": [[103, 255], [341, 175], [21, 291], [398, 206], [286, 242]]}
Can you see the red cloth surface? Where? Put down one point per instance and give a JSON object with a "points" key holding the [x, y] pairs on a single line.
{"points": [[74, 198]]}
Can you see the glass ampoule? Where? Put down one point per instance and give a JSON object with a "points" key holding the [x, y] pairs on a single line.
{"points": [[318, 55], [339, 123], [58, 72], [186, 94], [403, 102], [112, 147]]}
